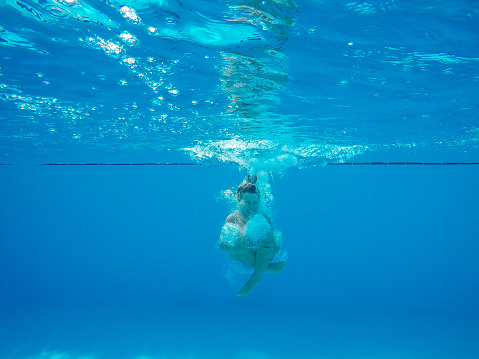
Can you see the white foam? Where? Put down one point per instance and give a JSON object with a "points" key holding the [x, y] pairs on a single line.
{"points": [[271, 157], [257, 229], [229, 234]]}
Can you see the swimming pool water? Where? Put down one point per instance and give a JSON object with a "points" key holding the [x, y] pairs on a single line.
{"points": [[120, 261], [323, 81]]}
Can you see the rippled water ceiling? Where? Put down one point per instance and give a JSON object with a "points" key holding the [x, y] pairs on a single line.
{"points": [[232, 81]]}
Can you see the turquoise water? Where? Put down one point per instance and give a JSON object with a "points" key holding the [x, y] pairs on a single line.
{"points": [[120, 261]]}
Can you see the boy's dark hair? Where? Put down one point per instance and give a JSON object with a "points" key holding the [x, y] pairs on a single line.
{"points": [[247, 187]]}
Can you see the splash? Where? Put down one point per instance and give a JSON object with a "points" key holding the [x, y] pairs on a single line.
{"points": [[274, 158], [257, 229]]}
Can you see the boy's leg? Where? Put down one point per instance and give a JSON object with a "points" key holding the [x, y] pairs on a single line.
{"points": [[263, 257], [249, 258]]}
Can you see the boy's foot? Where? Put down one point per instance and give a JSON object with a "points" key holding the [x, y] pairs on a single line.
{"points": [[275, 267], [248, 287]]}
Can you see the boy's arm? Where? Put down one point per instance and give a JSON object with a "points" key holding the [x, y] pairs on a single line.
{"points": [[232, 245], [239, 246]]}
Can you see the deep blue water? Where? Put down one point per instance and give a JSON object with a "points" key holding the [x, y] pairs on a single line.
{"points": [[121, 261]]}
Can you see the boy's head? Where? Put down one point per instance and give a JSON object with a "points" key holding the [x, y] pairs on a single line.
{"points": [[247, 187]]}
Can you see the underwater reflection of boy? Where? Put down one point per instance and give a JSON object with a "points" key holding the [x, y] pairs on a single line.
{"points": [[241, 244]]}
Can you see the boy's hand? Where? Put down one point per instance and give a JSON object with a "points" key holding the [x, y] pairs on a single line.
{"points": [[240, 247], [269, 250]]}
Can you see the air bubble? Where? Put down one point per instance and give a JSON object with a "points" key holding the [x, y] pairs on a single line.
{"points": [[128, 38], [129, 60], [68, 2], [130, 14]]}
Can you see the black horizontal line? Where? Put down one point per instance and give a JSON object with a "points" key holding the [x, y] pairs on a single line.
{"points": [[122, 164], [199, 164], [401, 163]]}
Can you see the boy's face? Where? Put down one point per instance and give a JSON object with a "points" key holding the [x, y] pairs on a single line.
{"points": [[249, 204]]}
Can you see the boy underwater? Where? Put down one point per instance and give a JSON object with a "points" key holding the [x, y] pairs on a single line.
{"points": [[249, 236]]}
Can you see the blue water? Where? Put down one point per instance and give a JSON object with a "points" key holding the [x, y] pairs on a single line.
{"points": [[121, 261]]}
